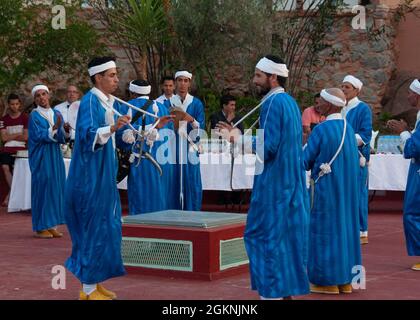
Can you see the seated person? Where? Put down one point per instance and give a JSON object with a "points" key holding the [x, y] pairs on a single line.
{"points": [[227, 114], [14, 135], [311, 117]]}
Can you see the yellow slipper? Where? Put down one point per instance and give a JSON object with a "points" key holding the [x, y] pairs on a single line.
{"points": [[416, 267], [325, 289], [44, 234], [106, 292], [345, 288]]}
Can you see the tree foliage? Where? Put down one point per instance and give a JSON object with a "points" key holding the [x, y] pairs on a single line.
{"points": [[141, 29], [30, 46]]}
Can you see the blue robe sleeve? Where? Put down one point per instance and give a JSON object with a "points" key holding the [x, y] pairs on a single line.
{"points": [[199, 116], [88, 125], [60, 136], [312, 150], [269, 123], [40, 134], [365, 131], [123, 109], [412, 146]]}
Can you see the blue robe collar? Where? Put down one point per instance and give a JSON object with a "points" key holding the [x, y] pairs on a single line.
{"points": [[188, 100], [274, 91], [106, 103], [351, 104], [47, 114]]}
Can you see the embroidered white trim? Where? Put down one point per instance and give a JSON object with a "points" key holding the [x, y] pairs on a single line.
{"points": [[326, 167]]}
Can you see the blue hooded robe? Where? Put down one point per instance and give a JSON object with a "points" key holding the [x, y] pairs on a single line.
{"points": [[360, 119], [92, 202], [277, 223], [146, 188], [48, 175], [334, 240], [411, 216], [186, 175]]}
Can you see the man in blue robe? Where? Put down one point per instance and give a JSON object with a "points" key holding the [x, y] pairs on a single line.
{"points": [[146, 188], [48, 176], [411, 216], [185, 185], [359, 115], [331, 155], [278, 218], [92, 203]]}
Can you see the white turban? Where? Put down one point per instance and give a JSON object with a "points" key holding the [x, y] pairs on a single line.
{"points": [[268, 66], [415, 86], [354, 81], [101, 68], [142, 90], [337, 101], [39, 87], [185, 74]]}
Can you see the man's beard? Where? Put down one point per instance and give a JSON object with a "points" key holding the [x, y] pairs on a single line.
{"points": [[263, 90]]}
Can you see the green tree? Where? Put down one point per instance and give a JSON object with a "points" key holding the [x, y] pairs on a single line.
{"points": [[141, 29], [29, 46], [212, 35]]}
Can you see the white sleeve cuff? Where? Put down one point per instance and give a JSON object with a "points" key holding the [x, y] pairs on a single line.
{"points": [[102, 136], [195, 124], [51, 134], [405, 136], [128, 136], [359, 140], [72, 134]]}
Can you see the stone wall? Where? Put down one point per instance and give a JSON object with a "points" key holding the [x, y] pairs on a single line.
{"points": [[370, 59]]}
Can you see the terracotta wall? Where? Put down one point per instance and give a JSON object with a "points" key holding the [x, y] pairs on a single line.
{"points": [[407, 48]]}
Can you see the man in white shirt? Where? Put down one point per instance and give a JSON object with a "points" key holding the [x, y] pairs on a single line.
{"points": [[69, 108], [168, 88]]}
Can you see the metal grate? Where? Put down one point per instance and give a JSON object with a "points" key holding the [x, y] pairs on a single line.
{"points": [[232, 253], [157, 253]]}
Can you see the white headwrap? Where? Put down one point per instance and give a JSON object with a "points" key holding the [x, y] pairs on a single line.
{"points": [[142, 90], [415, 86], [268, 66], [39, 87], [185, 74], [101, 68], [332, 99], [354, 81]]}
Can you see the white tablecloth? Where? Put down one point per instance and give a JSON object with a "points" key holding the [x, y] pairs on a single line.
{"points": [[216, 171], [20, 192], [386, 172]]}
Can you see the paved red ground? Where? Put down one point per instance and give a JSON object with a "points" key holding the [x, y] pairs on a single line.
{"points": [[26, 264]]}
